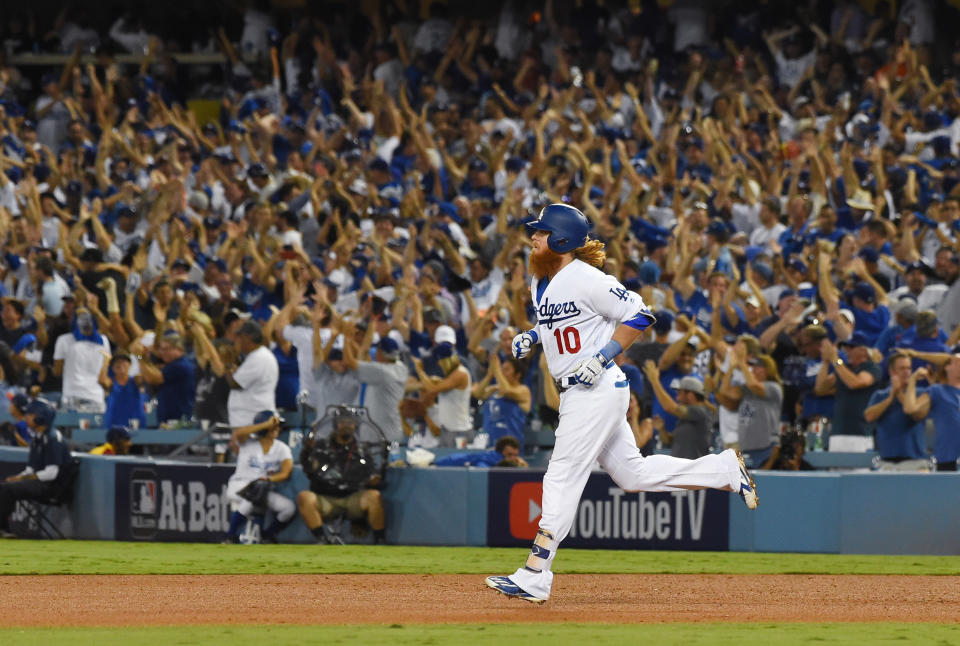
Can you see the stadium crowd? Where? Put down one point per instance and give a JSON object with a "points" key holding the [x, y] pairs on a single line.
{"points": [[780, 182]]}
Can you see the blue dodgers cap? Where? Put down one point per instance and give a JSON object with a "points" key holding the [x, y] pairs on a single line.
{"points": [[389, 347], [19, 400], [869, 254], [443, 351], [865, 292], [856, 339], [118, 433], [763, 269], [664, 321], [264, 415], [257, 170], [650, 273], [797, 265], [379, 164]]}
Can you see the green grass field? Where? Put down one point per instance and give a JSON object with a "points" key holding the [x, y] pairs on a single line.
{"points": [[107, 557], [505, 634], [93, 557]]}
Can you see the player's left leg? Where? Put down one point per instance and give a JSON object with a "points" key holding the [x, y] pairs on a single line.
{"points": [[283, 511], [633, 472]]}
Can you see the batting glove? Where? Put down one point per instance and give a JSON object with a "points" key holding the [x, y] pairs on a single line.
{"points": [[523, 344], [589, 370]]}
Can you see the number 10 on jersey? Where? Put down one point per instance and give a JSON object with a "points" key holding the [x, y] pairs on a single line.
{"points": [[568, 338]]}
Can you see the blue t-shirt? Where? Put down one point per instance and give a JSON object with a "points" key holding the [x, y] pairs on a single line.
{"points": [[945, 412], [898, 434], [502, 416], [670, 379], [124, 403], [175, 396], [872, 324], [890, 338]]}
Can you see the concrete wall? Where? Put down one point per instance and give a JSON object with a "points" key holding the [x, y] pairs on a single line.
{"points": [[855, 513]]}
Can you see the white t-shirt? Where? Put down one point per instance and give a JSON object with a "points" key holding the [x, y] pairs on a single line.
{"points": [[761, 236], [578, 312], [82, 361], [257, 376], [486, 292], [253, 463], [791, 70]]}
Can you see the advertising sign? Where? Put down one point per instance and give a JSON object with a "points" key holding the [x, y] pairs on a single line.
{"points": [[608, 517]]}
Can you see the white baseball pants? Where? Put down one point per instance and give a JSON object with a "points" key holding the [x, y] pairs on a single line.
{"points": [[280, 505], [593, 427]]}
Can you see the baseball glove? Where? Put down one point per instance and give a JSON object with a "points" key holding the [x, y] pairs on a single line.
{"points": [[257, 492]]}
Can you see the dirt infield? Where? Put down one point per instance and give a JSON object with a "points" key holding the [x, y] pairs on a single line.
{"points": [[405, 599]]}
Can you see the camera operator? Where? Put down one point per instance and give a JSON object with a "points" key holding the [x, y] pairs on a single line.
{"points": [[788, 454], [343, 482]]}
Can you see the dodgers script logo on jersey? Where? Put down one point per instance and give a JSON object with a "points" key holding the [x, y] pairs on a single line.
{"points": [[550, 313]]}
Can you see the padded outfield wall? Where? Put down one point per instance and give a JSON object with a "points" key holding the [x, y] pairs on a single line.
{"points": [[121, 498]]}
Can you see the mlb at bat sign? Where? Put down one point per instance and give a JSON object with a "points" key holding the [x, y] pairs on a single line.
{"points": [[172, 503], [608, 517]]}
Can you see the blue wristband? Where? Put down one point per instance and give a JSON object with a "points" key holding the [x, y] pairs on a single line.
{"points": [[536, 337], [609, 351]]}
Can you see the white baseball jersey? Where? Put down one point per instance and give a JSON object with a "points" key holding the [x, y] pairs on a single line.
{"points": [[578, 311], [253, 463]]}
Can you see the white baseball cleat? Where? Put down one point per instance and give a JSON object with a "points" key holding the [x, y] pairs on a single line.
{"points": [[505, 586], [748, 490]]}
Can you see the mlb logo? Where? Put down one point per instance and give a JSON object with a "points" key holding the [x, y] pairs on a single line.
{"points": [[526, 499], [143, 497]]}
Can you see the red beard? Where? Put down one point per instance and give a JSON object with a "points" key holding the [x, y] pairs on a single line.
{"points": [[545, 263]]}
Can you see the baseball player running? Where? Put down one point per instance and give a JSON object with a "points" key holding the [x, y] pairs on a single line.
{"points": [[585, 319]]}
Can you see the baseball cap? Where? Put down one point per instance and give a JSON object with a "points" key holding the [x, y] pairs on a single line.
{"points": [[692, 384], [264, 415], [118, 433], [848, 314], [869, 254], [917, 265], [432, 315], [336, 354], [763, 269], [19, 400], [797, 265], [865, 292], [379, 164], [443, 351], [257, 170], [445, 334], [752, 300], [198, 200], [388, 347], [856, 339]]}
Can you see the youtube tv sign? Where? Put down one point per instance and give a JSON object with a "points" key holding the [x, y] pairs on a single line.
{"points": [[607, 516]]}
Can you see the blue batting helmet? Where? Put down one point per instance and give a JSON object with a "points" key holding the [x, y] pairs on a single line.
{"points": [[43, 413], [568, 227]]}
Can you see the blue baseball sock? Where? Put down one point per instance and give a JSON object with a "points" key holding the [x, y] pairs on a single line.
{"points": [[237, 521], [277, 526]]}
